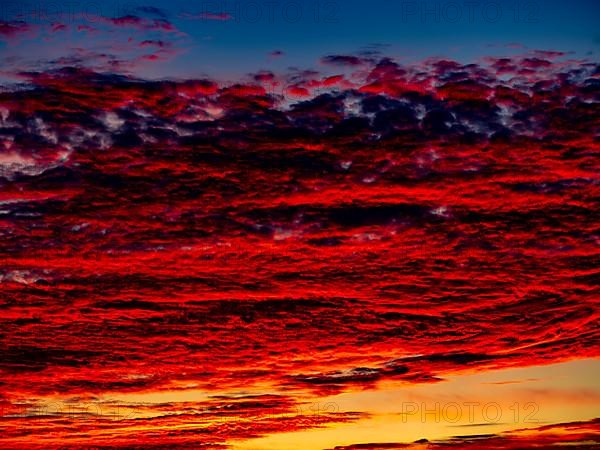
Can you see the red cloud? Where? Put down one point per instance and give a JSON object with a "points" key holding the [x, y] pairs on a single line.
{"points": [[13, 29], [136, 22], [56, 27], [436, 219]]}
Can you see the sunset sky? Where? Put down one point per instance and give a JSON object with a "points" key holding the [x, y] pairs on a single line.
{"points": [[258, 225]]}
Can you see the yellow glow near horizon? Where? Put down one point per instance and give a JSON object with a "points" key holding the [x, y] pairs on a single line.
{"points": [[463, 404], [524, 398]]}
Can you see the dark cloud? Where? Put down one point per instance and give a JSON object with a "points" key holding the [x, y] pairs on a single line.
{"points": [[578, 435], [342, 60]]}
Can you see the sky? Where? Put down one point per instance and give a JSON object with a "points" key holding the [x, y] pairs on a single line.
{"points": [[230, 38], [280, 226]]}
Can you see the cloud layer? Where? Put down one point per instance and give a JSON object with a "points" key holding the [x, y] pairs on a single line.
{"points": [[301, 231]]}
